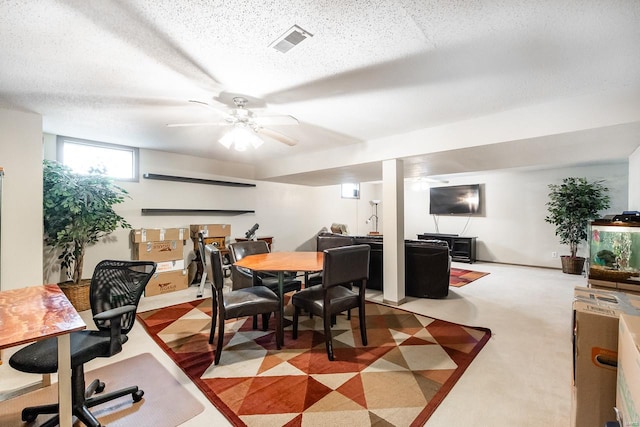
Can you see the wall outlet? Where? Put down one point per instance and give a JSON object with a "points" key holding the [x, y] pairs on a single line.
{"points": [[554, 254]]}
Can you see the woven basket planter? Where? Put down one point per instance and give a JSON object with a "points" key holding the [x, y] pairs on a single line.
{"points": [[572, 265], [78, 295]]}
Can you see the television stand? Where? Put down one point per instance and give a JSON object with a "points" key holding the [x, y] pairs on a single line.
{"points": [[462, 249]]}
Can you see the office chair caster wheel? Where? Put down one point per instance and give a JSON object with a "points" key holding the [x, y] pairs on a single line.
{"points": [[28, 416], [137, 396], [100, 387]]}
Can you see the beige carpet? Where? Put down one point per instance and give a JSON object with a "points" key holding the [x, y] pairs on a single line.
{"points": [[165, 403]]}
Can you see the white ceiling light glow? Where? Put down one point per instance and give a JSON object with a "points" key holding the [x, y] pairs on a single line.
{"points": [[240, 137]]}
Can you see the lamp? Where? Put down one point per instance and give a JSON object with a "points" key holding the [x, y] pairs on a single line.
{"points": [[241, 137], [374, 216]]}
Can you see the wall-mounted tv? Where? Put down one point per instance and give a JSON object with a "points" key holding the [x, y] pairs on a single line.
{"points": [[455, 200]]}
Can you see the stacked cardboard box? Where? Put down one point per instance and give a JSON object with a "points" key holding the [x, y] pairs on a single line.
{"points": [[216, 234], [158, 234], [209, 230], [596, 315], [165, 247]]}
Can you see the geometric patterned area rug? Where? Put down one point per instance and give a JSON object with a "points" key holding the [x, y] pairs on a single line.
{"points": [[410, 364], [459, 277]]}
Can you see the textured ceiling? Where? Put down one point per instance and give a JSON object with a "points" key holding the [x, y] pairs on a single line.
{"points": [[119, 71]]}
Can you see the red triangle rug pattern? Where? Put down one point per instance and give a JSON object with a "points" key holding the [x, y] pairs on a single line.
{"points": [[459, 277], [409, 365]]}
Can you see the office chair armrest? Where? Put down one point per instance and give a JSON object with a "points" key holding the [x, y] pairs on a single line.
{"points": [[114, 312], [114, 316]]}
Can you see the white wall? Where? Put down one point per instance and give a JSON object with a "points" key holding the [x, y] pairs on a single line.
{"points": [[165, 194], [292, 214], [21, 158], [512, 229], [282, 211], [634, 181]]}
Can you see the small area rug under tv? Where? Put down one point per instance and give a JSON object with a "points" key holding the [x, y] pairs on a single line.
{"points": [[409, 366], [459, 277]]}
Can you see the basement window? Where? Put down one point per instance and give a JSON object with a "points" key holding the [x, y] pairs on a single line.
{"points": [[350, 191], [81, 155]]}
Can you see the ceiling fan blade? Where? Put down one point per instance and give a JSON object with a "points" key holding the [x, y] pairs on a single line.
{"points": [[177, 125], [277, 136], [206, 104], [200, 102], [218, 110], [275, 120]]}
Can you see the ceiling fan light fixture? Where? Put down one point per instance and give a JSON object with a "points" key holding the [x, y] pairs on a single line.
{"points": [[241, 145], [241, 138]]}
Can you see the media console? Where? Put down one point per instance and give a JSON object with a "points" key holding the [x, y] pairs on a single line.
{"points": [[462, 249]]}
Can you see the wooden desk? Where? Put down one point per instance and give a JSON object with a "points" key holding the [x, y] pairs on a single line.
{"points": [[281, 262], [37, 313]]}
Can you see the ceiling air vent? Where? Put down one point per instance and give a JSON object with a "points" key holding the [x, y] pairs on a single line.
{"points": [[292, 37]]}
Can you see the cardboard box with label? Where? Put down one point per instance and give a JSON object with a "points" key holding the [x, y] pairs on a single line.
{"points": [[628, 383], [169, 281], [164, 266], [595, 342], [166, 250], [143, 235], [210, 230]]}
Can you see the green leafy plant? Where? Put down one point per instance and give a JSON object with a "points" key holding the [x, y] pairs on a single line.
{"points": [[78, 211], [572, 205]]}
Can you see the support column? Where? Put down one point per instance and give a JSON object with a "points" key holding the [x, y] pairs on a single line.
{"points": [[393, 231]]}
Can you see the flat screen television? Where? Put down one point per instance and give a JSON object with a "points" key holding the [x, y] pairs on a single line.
{"points": [[455, 200]]}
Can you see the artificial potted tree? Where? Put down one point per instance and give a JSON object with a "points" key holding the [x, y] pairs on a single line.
{"points": [[571, 206], [78, 211]]}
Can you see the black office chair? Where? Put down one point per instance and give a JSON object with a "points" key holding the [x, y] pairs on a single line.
{"points": [[250, 301], [347, 264], [115, 290]]}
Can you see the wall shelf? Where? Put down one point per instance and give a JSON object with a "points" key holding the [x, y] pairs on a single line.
{"points": [[196, 180], [169, 211]]}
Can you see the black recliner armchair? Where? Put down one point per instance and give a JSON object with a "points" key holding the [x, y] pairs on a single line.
{"points": [[115, 290]]}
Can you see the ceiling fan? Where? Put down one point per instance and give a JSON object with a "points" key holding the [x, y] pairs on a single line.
{"points": [[247, 126]]}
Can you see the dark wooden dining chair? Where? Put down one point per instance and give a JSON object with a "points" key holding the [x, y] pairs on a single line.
{"points": [[326, 241], [252, 301], [243, 277], [342, 265]]}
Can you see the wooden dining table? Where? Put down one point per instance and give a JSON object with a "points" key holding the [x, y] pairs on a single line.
{"points": [[36, 313], [281, 262]]}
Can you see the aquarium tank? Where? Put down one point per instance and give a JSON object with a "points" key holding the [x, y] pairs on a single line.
{"points": [[614, 251]]}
